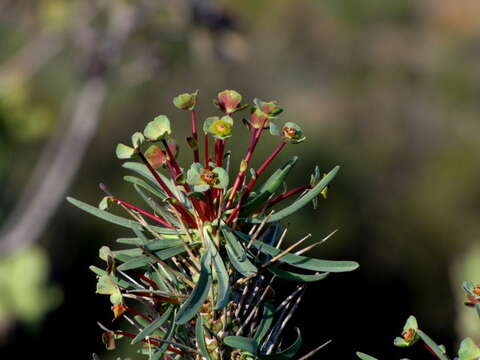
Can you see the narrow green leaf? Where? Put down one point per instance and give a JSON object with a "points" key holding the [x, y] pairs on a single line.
{"points": [[104, 215], [237, 253], [150, 187], [141, 169], [223, 285], [200, 335], [288, 353], [171, 330], [432, 345], [265, 323], [156, 207], [365, 356], [306, 262], [135, 263], [304, 200], [191, 306], [270, 186], [242, 343], [293, 276], [153, 326]]}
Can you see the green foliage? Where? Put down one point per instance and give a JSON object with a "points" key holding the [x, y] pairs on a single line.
{"points": [[24, 292], [206, 240]]}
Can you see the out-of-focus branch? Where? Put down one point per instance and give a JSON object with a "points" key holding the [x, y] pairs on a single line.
{"points": [[62, 156]]}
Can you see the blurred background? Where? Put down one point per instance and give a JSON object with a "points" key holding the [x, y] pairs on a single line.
{"points": [[387, 89]]}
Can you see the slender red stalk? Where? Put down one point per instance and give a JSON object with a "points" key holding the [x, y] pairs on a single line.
{"points": [[136, 313], [172, 159], [254, 137], [148, 281], [253, 180], [288, 194], [431, 351], [207, 156], [196, 153], [144, 212], [185, 214], [219, 147]]}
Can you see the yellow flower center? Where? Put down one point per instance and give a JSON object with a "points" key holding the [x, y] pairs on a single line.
{"points": [[289, 132], [209, 177], [408, 335], [221, 128]]}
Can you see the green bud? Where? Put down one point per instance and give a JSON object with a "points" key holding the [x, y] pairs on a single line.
{"points": [[186, 101]]}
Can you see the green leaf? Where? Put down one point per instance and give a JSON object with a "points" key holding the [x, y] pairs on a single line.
{"points": [[293, 276], [223, 285], [153, 326], [265, 323], [142, 183], [103, 205], [199, 294], [237, 253], [124, 152], [104, 215], [142, 169], [304, 200], [158, 129], [432, 345], [468, 350], [135, 263], [306, 262], [200, 335], [289, 352], [242, 343], [365, 356], [270, 186], [168, 337]]}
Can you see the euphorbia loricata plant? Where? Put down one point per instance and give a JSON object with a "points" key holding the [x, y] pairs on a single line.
{"points": [[197, 277]]}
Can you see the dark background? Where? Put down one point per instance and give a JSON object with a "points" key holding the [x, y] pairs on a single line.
{"points": [[386, 89]]}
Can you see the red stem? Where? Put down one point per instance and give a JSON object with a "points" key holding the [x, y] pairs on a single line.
{"points": [[186, 215], [148, 281], [219, 148], [196, 154], [144, 212], [172, 159], [135, 312], [254, 137], [288, 194], [253, 180], [207, 156]]}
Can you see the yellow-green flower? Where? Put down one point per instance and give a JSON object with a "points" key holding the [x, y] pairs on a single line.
{"points": [[221, 128]]}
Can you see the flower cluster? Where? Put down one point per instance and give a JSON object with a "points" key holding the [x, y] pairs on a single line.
{"points": [[208, 238]]}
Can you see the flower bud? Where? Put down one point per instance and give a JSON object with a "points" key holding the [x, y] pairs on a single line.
{"points": [[186, 101]]}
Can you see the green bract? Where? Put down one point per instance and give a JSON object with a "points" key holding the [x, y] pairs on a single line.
{"points": [[186, 101], [409, 333], [290, 132], [468, 350], [221, 128], [124, 152], [263, 112], [203, 179], [158, 129], [137, 139]]}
